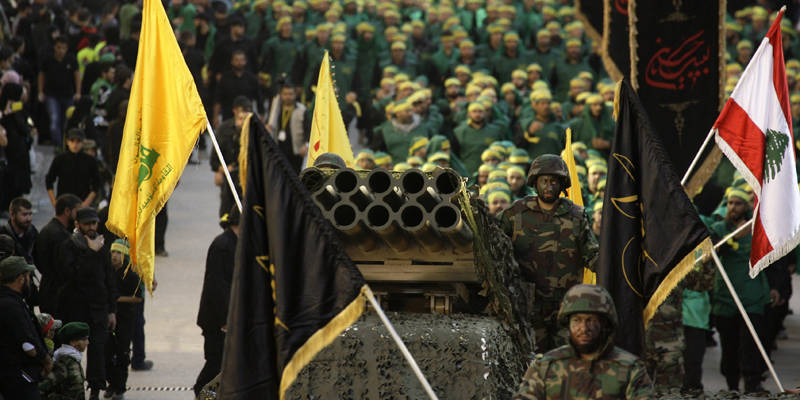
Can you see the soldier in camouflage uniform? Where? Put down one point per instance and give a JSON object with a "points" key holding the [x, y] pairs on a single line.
{"points": [[66, 380], [590, 366], [552, 241], [664, 341]]}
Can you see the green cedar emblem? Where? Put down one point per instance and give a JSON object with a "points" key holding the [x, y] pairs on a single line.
{"points": [[147, 159], [773, 157]]}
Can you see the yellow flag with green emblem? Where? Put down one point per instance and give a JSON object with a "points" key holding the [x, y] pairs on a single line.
{"points": [[574, 193], [165, 116], [328, 133]]}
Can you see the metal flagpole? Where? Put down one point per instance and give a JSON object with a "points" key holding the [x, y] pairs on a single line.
{"points": [[746, 318], [224, 165], [734, 233], [427, 386], [697, 157]]}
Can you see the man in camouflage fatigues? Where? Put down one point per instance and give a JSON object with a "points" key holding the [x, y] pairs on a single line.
{"points": [[590, 366], [664, 341], [552, 241]]}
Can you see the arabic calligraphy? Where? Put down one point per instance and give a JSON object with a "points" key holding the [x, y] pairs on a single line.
{"points": [[621, 6], [679, 68]]}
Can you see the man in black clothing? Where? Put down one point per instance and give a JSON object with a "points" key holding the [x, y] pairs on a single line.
{"points": [[236, 82], [59, 84], [213, 313], [20, 228], [87, 291], [123, 79], [75, 171], [118, 350], [226, 46], [52, 235], [228, 138], [24, 354]]}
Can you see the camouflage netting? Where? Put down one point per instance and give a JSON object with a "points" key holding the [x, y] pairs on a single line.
{"points": [[500, 273]]}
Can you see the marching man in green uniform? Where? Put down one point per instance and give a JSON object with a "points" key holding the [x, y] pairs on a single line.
{"points": [[474, 135], [538, 132], [589, 366], [552, 241]]}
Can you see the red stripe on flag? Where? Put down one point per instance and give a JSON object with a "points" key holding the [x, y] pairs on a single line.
{"points": [[761, 244], [779, 69], [743, 136]]}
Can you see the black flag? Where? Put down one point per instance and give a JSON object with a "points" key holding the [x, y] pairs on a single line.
{"points": [[615, 48], [652, 235], [590, 12], [294, 288], [680, 53]]}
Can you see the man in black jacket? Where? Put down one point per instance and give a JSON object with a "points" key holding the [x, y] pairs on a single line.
{"points": [[87, 291], [20, 228], [213, 313], [56, 231], [24, 354], [75, 171]]}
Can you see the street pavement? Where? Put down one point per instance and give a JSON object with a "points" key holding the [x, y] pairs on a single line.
{"points": [[174, 342]]}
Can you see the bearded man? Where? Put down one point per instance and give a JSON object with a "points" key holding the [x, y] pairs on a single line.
{"points": [[553, 241]]}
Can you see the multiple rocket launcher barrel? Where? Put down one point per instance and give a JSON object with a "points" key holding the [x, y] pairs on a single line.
{"points": [[405, 211]]}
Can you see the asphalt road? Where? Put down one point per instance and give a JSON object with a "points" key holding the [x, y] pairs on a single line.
{"points": [[173, 341]]}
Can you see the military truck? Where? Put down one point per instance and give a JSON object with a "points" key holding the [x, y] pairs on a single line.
{"points": [[442, 271]]}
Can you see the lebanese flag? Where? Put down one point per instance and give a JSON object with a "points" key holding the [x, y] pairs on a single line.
{"points": [[754, 130]]}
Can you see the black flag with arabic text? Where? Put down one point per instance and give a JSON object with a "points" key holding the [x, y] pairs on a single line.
{"points": [[294, 288], [652, 235]]}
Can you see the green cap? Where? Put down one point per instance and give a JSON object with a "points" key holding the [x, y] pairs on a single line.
{"points": [[14, 266], [73, 331]]}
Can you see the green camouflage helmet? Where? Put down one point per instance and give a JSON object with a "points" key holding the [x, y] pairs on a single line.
{"points": [[549, 164], [587, 299], [330, 160]]}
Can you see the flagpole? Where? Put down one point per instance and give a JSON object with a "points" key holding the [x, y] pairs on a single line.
{"points": [[224, 165], [734, 233], [746, 318], [427, 386], [697, 157]]}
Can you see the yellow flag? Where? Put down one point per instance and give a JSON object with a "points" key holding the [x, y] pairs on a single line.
{"points": [[574, 193], [328, 134], [165, 116]]}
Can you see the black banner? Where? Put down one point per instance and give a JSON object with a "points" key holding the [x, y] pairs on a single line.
{"points": [[652, 236], [677, 47], [590, 12], [616, 51], [294, 287]]}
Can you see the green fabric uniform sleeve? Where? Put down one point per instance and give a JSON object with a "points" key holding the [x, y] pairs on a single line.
{"points": [[639, 385]]}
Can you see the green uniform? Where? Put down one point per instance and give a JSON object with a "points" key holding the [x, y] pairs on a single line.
{"points": [[552, 249], [563, 72], [735, 257], [611, 373], [503, 65], [473, 141], [587, 127], [65, 382], [547, 60], [278, 56], [398, 139], [549, 139], [440, 64]]}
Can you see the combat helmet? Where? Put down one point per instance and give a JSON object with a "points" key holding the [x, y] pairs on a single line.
{"points": [[330, 160], [549, 164], [587, 299]]}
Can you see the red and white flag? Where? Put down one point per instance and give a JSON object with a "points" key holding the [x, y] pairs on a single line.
{"points": [[754, 130]]}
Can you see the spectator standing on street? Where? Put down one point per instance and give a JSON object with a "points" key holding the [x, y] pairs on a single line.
{"points": [[75, 171], [285, 124], [67, 379], [238, 81], [20, 227], [87, 291], [59, 84], [18, 134], [228, 138], [213, 312], [24, 355], [118, 349], [56, 231]]}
